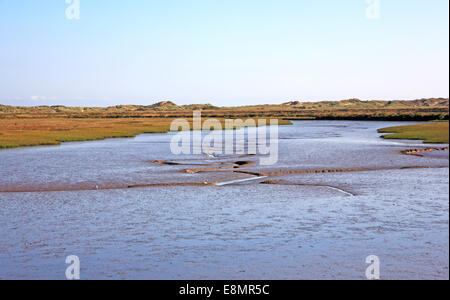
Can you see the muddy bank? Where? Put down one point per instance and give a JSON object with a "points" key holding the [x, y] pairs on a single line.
{"points": [[231, 170], [233, 165], [204, 183], [326, 171], [78, 188], [420, 151], [214, 170]]}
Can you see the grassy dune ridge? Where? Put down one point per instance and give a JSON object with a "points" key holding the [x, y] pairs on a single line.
{"points": [[433, 133], [423, 109]]}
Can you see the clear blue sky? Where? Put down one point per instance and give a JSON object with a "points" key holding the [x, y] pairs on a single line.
{"points": [[225, 52]]}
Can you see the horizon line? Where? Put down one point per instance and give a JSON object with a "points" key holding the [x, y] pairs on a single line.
{"points": [[221, 106]]}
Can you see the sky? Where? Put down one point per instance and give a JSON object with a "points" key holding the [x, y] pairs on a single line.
{"points": [[224, 52]]}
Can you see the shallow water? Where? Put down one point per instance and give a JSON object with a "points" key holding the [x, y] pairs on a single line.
{"points": [[307, 226]]}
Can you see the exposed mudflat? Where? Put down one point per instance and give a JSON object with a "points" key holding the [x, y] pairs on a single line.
{"points": [[131, 209]]}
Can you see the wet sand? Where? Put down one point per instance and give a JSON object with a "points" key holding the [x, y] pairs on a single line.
{"points": [[239, 169]]}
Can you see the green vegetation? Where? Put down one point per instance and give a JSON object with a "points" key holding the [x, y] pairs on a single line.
{"points": [[15, 132], [53, 131], [432, 133]]}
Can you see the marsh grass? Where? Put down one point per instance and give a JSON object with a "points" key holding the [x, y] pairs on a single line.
{"points": [[432, 133], [25, 132]]}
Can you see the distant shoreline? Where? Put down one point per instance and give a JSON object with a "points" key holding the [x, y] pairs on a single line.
{"points": [[351, 109], [52, 125]]}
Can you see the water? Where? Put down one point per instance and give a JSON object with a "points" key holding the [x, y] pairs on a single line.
{"points": [[306, 226]]}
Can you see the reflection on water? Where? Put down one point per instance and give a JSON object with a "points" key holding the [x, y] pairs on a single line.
{"points": [[300, 226]]}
